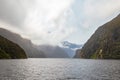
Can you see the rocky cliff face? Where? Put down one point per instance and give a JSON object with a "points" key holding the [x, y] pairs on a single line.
{"points": [[77, 53], [10, 50], [104, 43]]}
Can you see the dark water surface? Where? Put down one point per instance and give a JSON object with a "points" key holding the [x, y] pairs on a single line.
{"points": [[59, 69]]}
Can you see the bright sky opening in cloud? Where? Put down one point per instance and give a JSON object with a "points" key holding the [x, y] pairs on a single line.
{"points": [[54, 21]]}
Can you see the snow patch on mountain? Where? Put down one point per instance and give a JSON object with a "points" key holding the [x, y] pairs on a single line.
{"points": [[70, 48]]}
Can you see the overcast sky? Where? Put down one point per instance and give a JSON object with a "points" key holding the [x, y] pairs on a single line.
{"points": [[54, 21]]}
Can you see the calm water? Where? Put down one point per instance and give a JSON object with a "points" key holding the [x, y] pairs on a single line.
{"points": [[59, 69]]}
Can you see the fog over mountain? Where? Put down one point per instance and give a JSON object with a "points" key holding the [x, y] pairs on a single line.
{"points": [[32, 50], [70, 48], [49, 22], [26, 44], [53, 51], [59, 20]]}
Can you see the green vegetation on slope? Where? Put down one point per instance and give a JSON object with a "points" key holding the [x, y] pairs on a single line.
{"points": [[10, 50], [31, 50], [104, 43], [4, 55]]}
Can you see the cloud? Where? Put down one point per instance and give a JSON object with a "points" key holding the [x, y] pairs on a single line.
{"points": [[87, 15], [90, 13], [96, 12], [12, 12], [42, 21], [46, 19], [51, 21]]}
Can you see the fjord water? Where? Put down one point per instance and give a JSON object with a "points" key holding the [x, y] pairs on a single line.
{"points": [[59, 69]]}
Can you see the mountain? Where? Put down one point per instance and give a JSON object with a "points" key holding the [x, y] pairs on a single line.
{"points": [[70, 45], [70, 48], [104, 43], [10, 50], [27, 45], [34, 51], [53, 51], [77, 53]]}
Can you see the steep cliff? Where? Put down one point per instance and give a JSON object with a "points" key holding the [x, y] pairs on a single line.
{"points": [[27, 45], [10, 50], [104, 43]]}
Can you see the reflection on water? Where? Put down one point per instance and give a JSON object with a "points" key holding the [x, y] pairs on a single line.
{"points": [[59, 69]]}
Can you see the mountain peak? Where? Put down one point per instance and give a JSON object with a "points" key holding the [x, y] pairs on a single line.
{"points": [[70, 45]]}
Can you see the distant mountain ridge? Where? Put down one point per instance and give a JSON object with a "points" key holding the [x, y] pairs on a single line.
{"points": [[27, 45], [70, 45], [10, 50], [70, 48], [53, 51], [104, 43], [34, 51]]}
